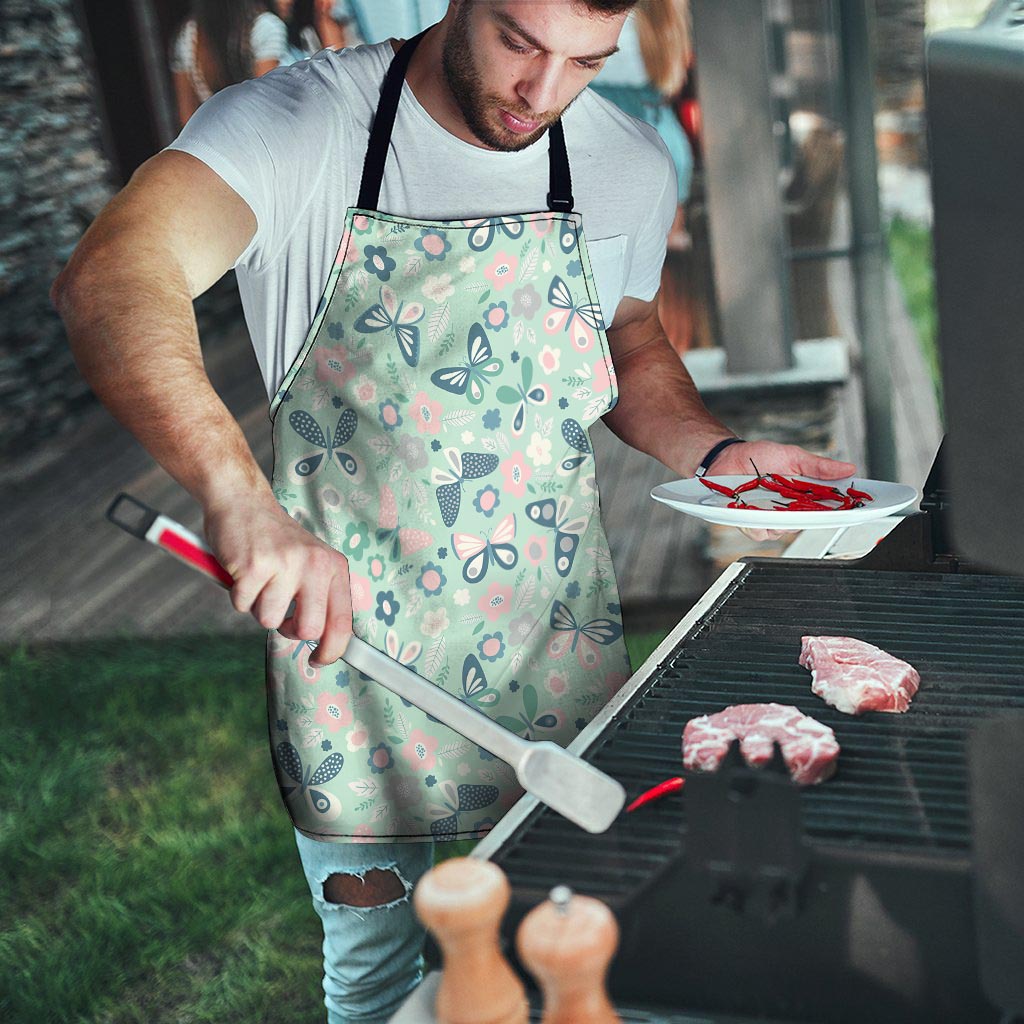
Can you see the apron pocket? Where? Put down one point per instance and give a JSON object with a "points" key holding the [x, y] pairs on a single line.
{"points": [[607, 261]]}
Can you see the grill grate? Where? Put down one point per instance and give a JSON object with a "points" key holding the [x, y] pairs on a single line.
{"points": [[902, 779]]}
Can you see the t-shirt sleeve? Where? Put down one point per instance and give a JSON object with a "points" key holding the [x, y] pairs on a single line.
{"points": [[268, 139], [269, 38], [652, 239]]}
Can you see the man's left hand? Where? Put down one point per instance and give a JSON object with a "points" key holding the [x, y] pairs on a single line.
{"points": [[771, 457]]}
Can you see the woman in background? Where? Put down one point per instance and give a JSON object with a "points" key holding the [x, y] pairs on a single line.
{"points": [[221, 43], [313, 25], [648, 73]]}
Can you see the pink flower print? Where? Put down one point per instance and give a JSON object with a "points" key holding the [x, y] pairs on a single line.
{"points": [[362, 592], [557, 684], [549, 359], [539, 449], [496, 602], [542, 224], [333, 711], [363, 834], [366, 389], [348, 251], [516, 473], [412, 451], [419, 751], [438, 287], [426, 413], [376, 567], [604, 374], [334, 365], [536, 550], [358, 737], [496, 316], [361, 224], [502, 270]]}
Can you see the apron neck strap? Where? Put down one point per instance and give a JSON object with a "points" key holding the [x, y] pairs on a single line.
{"points": [[559, 198]]}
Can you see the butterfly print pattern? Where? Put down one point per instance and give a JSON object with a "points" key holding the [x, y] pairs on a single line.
{"points": [[453, 467]]}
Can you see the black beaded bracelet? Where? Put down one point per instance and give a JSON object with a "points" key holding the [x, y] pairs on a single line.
{"points": [[705, 463]]}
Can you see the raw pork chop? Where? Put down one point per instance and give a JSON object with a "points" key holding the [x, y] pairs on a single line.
{"points": [[855, 677], [809, 748]]}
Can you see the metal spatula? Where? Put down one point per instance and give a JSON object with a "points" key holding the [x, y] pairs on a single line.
{"points": [[577, 790]]}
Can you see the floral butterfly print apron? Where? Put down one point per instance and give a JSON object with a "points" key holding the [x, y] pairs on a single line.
{"points": [[434, 429]]}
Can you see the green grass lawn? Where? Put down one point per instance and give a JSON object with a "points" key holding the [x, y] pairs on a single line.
{"points": [[910, 247], [149, 869]]}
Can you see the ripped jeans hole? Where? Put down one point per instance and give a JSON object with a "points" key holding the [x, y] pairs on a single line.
{"points": [[377, 887]]}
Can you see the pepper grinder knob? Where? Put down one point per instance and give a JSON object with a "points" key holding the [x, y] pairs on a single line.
{"points": [[462, 901], [567, 943]]}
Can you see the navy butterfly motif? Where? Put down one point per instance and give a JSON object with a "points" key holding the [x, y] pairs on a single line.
{"points": [[461, 466], [576, 438], [579, 320], [290, 762], [529, 722], [567, 531], [583, 638], [455, 802], [485, 229], [523, 395], [470, 378], [397, 317], [479, 552], [474, 684], [310, 431]]}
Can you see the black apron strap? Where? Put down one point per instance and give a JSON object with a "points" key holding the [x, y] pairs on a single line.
{"points": [[560, 194], [383, 123], [560, 185]]}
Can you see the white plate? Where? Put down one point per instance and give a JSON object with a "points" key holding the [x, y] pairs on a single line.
{"points": [[693, 498]]}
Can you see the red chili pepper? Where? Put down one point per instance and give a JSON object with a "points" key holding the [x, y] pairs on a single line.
{"points": [[863, 495], [806, 505], [720, 488], [749, 485], [656, 793], [808, 487]]}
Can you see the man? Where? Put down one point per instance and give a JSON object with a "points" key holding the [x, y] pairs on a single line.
{"points": [[433, 484]]}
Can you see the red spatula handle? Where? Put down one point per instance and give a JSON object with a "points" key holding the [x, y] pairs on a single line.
{"points": [[147, 524]]}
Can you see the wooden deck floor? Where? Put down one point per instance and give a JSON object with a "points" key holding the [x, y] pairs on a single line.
{"points": [[73, 575]]}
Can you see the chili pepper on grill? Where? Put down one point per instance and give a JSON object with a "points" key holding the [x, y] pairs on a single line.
{"points": [[720, 488], [656, 793]]}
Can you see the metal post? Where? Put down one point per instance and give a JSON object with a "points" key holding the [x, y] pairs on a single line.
{"points": [[748, 236], [868, 239]]}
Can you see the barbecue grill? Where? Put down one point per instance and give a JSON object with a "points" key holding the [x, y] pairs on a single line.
{"points": [[893, 892]]}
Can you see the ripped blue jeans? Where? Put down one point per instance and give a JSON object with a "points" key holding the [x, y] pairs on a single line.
{"points": [[372, 954]]}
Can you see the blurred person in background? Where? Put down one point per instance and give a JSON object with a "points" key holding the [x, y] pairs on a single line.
{"points": [[314, 25], [648, 73], [223, 42]]}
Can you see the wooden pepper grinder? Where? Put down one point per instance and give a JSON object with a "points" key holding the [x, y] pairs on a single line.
{"points": [[567, 943], [462, 901]]}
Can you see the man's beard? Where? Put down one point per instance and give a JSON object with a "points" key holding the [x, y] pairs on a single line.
{"points": [[463, 80]]}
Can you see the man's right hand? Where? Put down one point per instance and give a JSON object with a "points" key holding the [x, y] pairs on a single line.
{"points": [[275, 562]]}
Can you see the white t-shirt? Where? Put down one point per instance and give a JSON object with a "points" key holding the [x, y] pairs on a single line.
{"points": [[268, 40], [292, 144]]}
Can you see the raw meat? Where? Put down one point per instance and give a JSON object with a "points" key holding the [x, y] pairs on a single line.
{"points": [[809, 748], [855, 677]]}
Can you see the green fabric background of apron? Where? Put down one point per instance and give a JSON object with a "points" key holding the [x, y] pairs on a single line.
{"points": [[434, 429]]}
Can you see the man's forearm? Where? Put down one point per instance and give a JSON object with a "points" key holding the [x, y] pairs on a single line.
{"points": [[133, 333], [660, 411]]}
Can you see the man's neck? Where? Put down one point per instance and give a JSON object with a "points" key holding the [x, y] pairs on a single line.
{"points": [[429, 85]]}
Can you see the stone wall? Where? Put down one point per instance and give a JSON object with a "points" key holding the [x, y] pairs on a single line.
{"points": [[54, 178]]}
